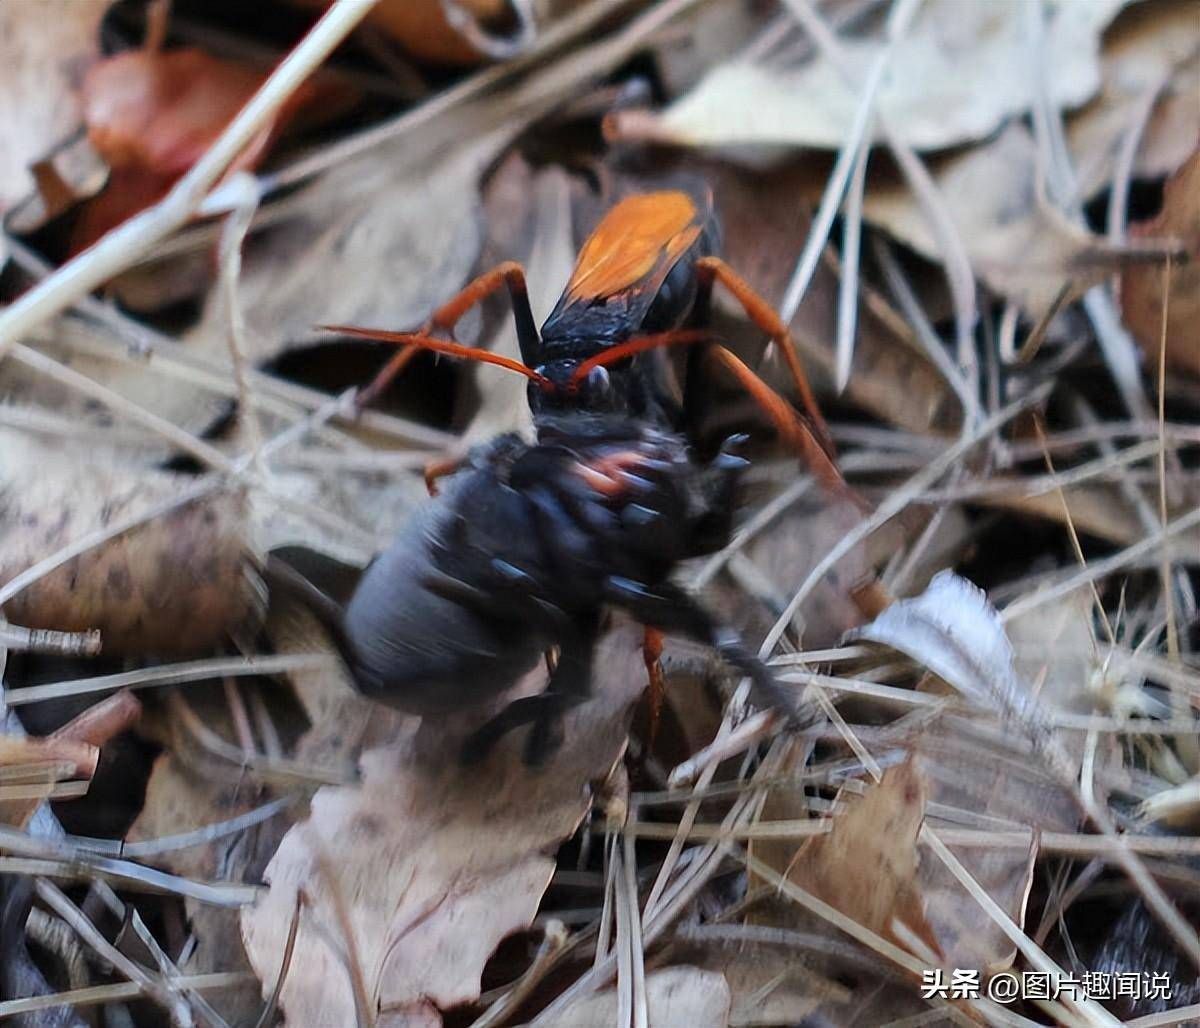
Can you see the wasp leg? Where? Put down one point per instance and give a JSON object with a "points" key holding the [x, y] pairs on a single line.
{"points": [[436, 469], [509, 274], [712, 269], [667, 607], [792, 428]]}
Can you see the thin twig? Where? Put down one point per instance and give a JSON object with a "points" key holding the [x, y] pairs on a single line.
{"points": [[170, 674], [153, 986]]}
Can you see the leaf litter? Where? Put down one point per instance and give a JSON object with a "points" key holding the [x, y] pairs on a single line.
{"points": [[1003, 776]]}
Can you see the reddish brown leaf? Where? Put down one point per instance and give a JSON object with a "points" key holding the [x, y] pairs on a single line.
{"points": [[1142, 286]]}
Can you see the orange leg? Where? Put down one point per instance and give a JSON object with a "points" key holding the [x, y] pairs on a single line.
{"points": [[509, 274], [713, 269], [792, 428], [436, 469], [652, 647]]}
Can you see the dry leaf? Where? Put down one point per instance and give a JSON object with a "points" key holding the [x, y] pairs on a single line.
{"points": [[866, 865], [957, 74], [528, 220], [675, 996], [432, 863], [774, 563], [765, 224], [1151, 45], [953, 630], [48, 48], [984, 779], [174, 585], [456, 32], [182, 798], [378, 243], [1018, 244], [151, 115], [1142, 287]]}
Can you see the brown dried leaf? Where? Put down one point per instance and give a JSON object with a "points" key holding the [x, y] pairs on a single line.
{"points": [[455, 32], [48, 48], [378, 242], [432, 863], [182, 798], [978, 776], [174, 585], [1142, 287], [985, 780], [528, 220], [680, 995], [765, 224], [151, 115], [955, 76], [773, 564], [867, 864]]}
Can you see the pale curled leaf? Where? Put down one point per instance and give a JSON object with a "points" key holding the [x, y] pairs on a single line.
{"points": [[958, 73], [953, 630]]}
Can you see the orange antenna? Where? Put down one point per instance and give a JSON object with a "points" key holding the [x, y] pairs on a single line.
{"points": [[639, 344], [424, 342]]}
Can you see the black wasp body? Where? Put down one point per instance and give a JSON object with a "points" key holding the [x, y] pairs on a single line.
{"points": [[531, 542]]}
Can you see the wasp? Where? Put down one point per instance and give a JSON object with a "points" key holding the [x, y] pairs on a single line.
{"points": [[531, 543]]}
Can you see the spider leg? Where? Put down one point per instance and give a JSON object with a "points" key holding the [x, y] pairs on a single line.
{"points": [[668, 607]]}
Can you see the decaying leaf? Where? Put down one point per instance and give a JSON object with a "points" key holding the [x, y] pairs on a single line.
{"points": [[773, 564], [1018, 244], [455, 32], [49, 47], [957, 74], [980, 777], [987, 781], [376, 243], [866, 866], [1142, 288], [674, 996], [182, 797], [175, 584], [412, 878], [765, 222], [529, 220], [1150, 49], [152, 114]]}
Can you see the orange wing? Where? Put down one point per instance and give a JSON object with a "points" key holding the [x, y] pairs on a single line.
{"points": [[639, 236]]}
